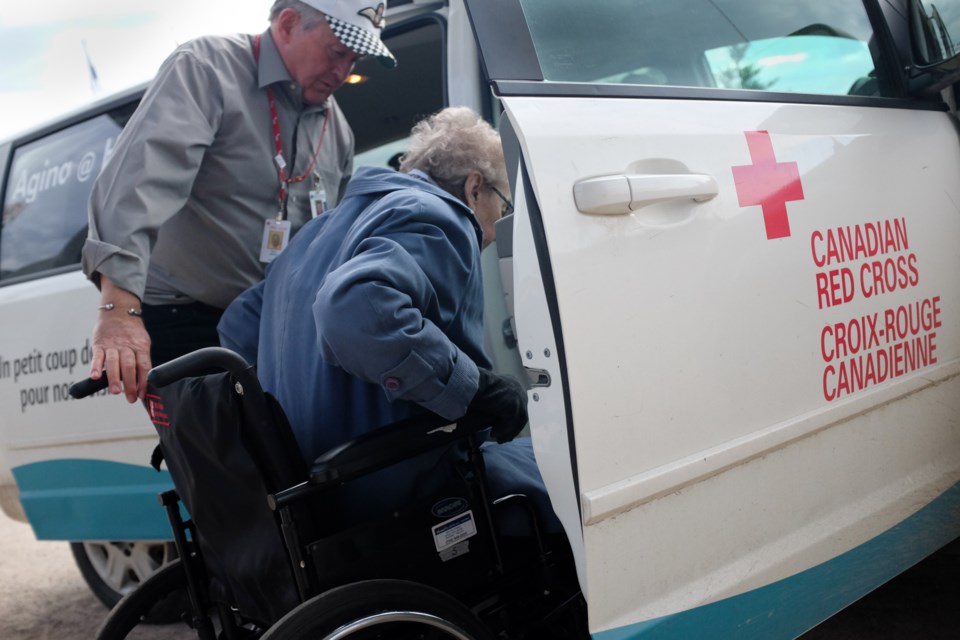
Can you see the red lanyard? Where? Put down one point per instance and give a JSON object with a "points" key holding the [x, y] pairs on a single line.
{"points": [[278, 142]]}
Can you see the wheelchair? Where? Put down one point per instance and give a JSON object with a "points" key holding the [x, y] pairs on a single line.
{"points": [[265, 550]]}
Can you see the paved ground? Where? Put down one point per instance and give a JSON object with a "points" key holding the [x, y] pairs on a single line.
{"points": [[43, 597], [921, 604]]}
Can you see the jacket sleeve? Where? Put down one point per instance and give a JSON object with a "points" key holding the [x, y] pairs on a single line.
{"points": [[151, 172], [239, 327], [377, 314]]}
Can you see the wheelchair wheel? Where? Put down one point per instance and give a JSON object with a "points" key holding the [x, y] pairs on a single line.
{"points": [[166, 589], [114, 569], [380, 609]]}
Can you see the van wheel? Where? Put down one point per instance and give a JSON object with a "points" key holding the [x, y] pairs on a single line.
{"points": [[375, 609], [114, 569]]}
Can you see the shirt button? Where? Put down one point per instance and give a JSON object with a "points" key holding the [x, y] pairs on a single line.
{"points": [[392, 384]]}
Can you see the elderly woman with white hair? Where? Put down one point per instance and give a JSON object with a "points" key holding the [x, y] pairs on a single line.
{"points": [[374, 312]]}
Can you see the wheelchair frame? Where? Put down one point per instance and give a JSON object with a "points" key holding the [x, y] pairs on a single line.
{"points": [[532, 593]]}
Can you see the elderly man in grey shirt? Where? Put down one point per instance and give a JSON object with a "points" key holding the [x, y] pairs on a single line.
{"points": [[236, 143]]}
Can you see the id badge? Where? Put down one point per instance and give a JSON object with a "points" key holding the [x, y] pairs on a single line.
{"points": [[318, 201], [276, 234]]}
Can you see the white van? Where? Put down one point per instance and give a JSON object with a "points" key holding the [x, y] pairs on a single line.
{"points": [[732, 273]]}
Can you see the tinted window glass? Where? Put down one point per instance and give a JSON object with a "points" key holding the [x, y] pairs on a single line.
{"points": [[45, 203], [778, 45], [384, 104], [798, 64], [940, 26]]}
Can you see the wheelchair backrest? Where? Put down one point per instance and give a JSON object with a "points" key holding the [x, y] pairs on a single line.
{"points": [[227, 445]]}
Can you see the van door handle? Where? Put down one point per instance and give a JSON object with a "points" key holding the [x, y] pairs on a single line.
{"points": [[620, 194]]}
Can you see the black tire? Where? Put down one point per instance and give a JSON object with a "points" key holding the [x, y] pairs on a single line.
{"points": [[113, 570], [391, 609], [165, 589]]}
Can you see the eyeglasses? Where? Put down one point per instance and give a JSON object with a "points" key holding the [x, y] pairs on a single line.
{"points": [[507, 207]]}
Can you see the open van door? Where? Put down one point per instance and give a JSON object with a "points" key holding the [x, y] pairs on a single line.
{"points": [[735, 264]]}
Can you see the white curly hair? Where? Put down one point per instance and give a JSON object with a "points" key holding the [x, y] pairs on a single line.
{"points": [[451, 144]]}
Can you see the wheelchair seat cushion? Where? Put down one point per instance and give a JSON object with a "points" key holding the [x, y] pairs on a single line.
{"points": [[512, 468]]}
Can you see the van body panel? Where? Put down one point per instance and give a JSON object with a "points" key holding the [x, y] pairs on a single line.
{"points": [[541, 349], [78, 464], [737, 306], [87, 508], [810, 596], [749, 401]]}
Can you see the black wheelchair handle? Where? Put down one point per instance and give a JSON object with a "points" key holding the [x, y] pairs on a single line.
{"points": [[88, 387], [197, 363]]}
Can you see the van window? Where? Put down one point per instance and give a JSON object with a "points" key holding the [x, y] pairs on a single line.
{"points": [[788, 46], [383, 104], [44, 222], [45, 203], [942, 19]]}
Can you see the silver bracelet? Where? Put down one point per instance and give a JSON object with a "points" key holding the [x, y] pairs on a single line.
{"points": [[130, 312]]}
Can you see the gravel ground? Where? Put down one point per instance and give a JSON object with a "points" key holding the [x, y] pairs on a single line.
{"points": [[43, 597]]}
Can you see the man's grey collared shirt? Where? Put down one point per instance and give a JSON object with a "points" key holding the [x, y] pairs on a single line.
{"points": [[178, 212]]}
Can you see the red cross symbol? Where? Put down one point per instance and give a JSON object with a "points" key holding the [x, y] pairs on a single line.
{"points": [[768, 183]]}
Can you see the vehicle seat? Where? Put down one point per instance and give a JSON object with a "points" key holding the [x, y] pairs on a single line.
{"points": [[500, 330]]}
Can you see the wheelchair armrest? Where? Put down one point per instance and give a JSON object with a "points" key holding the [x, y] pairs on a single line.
{"points": [[391, 444]]}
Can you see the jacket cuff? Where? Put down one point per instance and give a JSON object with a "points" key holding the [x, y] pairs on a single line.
{"points": [[415, 380]]}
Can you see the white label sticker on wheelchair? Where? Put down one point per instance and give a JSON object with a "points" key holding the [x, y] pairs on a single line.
{"points": [[450, 532]]}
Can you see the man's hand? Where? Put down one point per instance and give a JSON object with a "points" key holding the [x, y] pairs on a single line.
{"points": [[505, 401], [121, 344]]}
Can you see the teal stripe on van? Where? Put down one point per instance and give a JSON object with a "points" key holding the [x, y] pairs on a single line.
{"points": [[99, 500], [790, 607], [93, 500]]}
